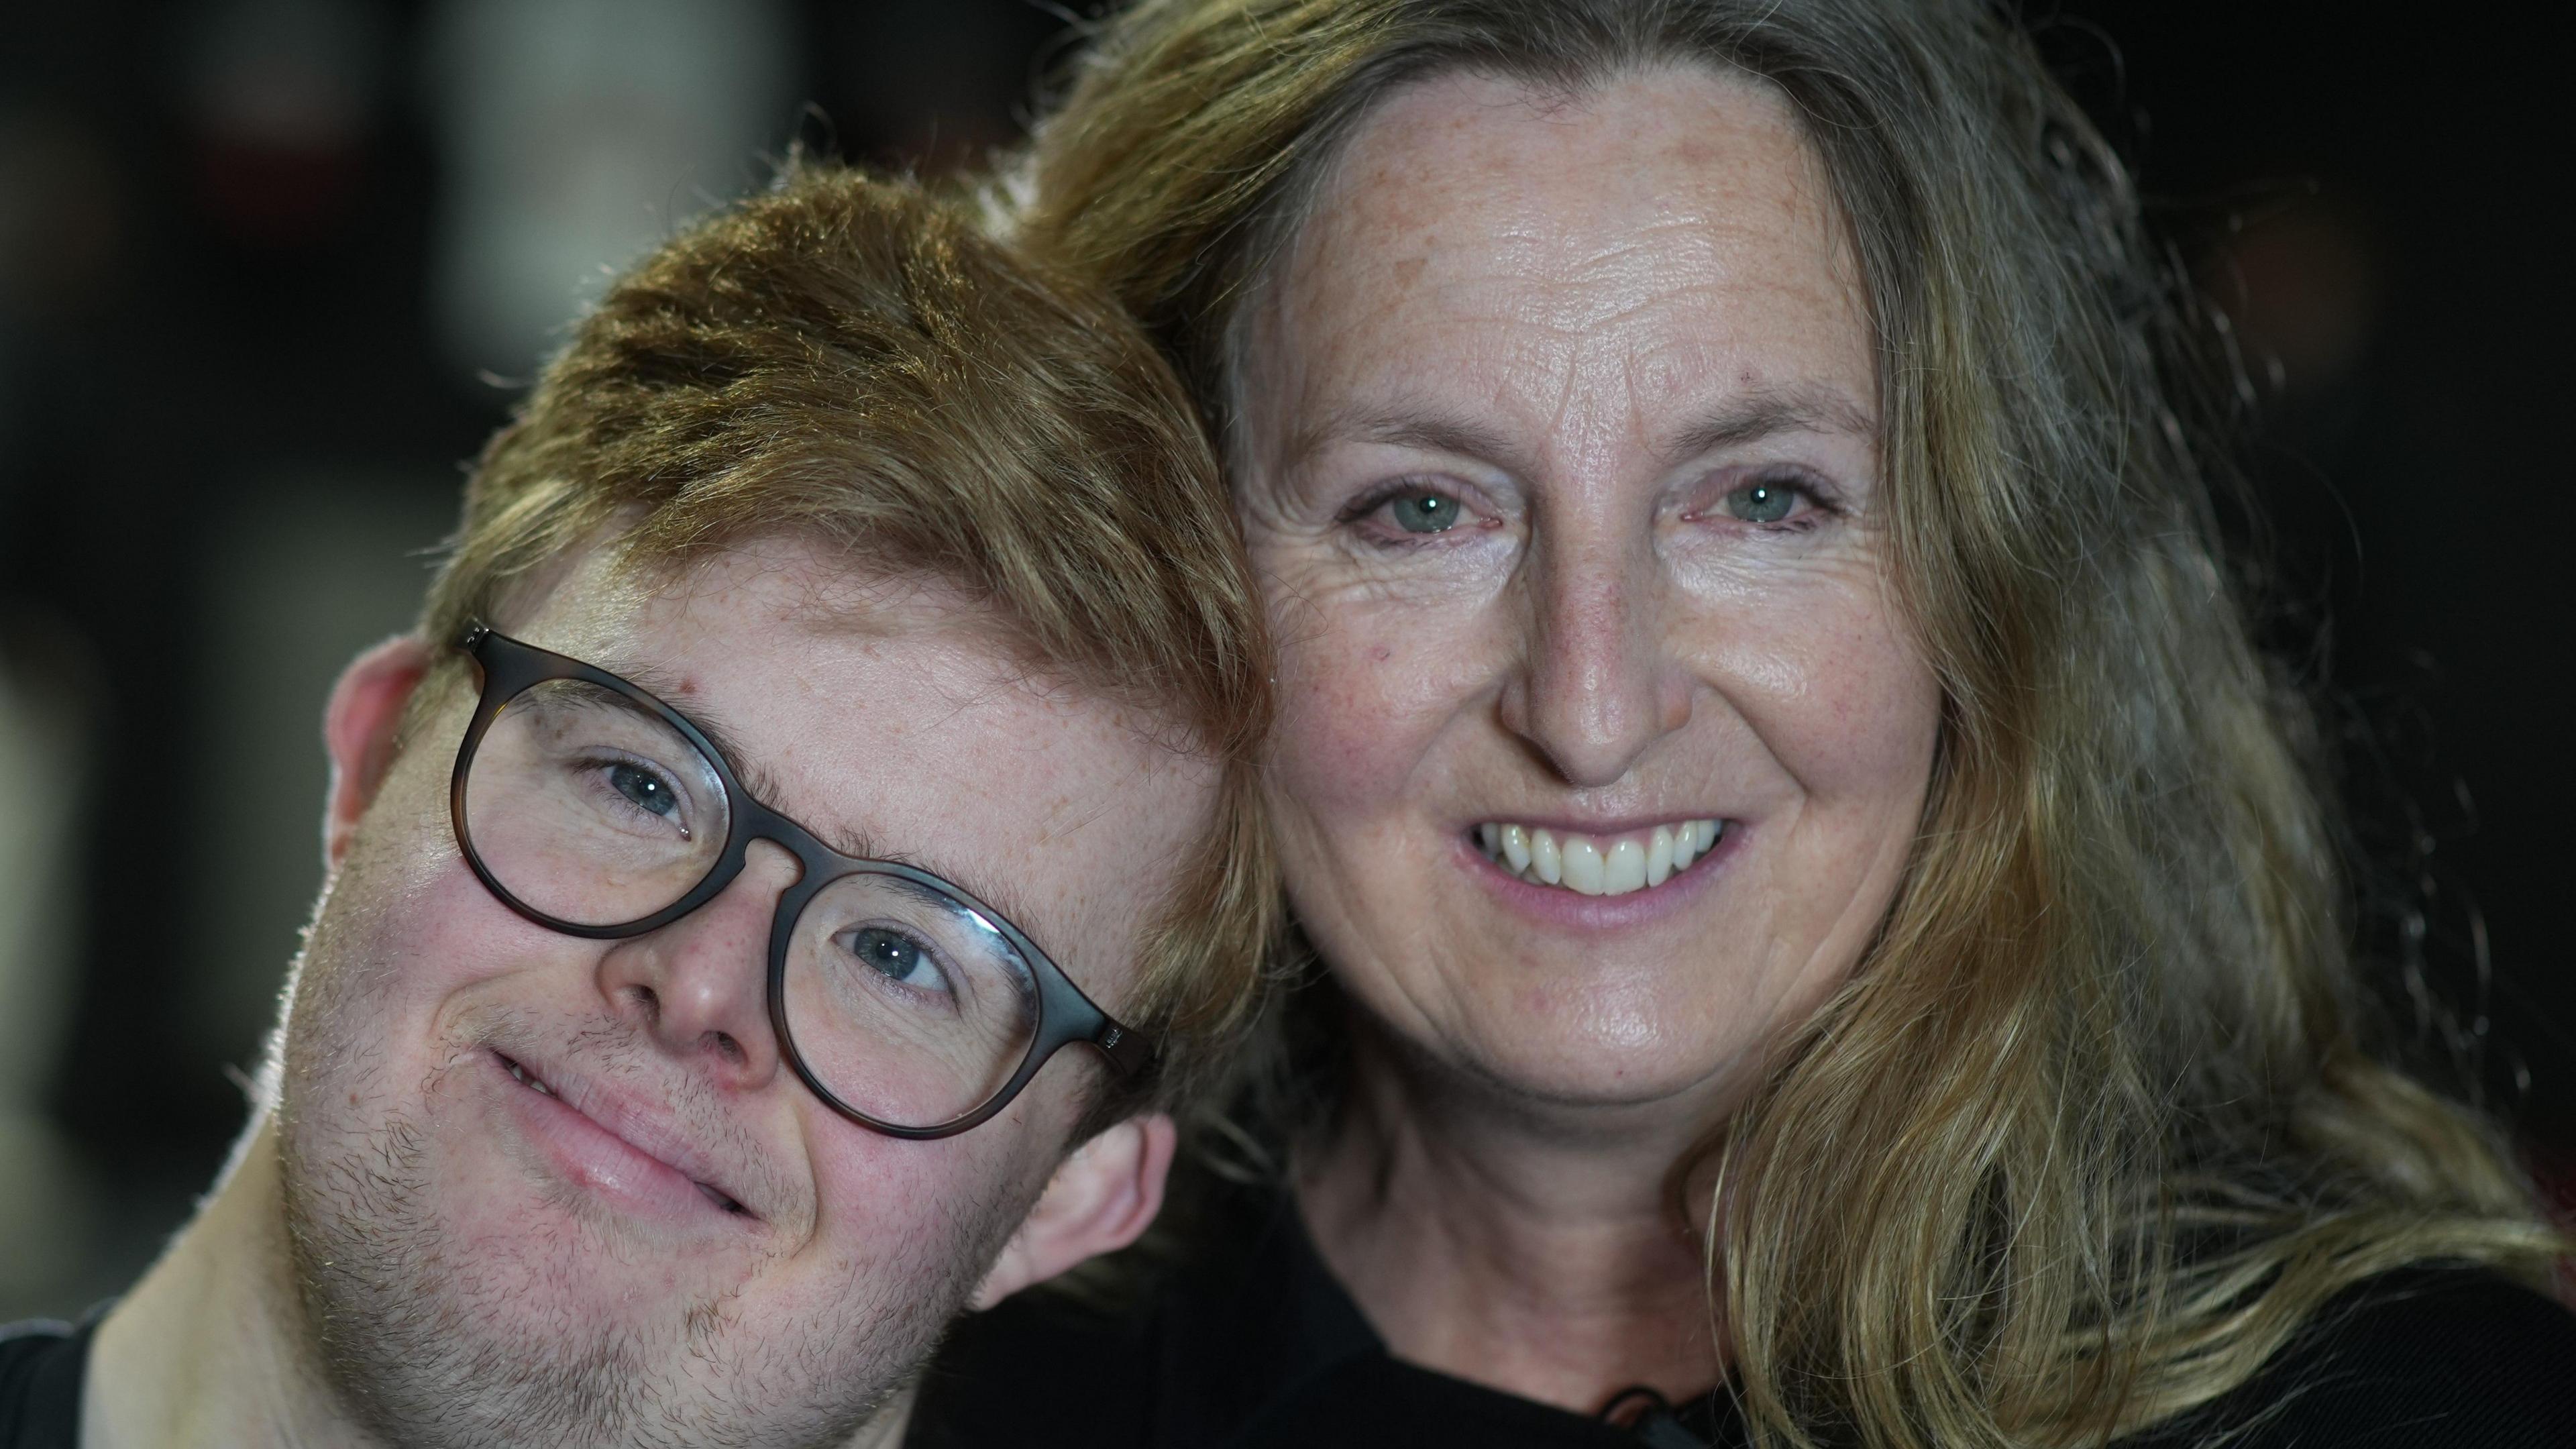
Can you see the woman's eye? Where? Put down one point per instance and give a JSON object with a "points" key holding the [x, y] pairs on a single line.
{"points": [[1423, 512], [897, 957], [1763, 502]]}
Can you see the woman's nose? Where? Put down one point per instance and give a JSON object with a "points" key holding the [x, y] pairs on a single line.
{"points": [[1597, 685], [700, 985]]}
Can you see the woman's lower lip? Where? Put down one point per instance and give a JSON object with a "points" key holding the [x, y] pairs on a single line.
{"points": [[1572, 910], [598, 1160]]}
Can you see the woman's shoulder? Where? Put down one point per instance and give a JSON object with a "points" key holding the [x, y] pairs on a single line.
{"points": [[1191, 1335], [2424, 1356]]}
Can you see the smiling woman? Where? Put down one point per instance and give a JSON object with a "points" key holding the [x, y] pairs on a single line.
{"points": [[1651, 595], [1824, 918]]}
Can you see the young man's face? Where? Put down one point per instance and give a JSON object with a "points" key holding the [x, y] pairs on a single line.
{"points": [[479, 1258]]}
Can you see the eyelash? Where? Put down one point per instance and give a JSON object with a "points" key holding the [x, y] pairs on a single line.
{"points": [[1359, 510], [1820, 506]]}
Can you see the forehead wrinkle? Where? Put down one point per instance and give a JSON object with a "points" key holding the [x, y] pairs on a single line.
{"points": [[1408, 421], [1770, 410]]}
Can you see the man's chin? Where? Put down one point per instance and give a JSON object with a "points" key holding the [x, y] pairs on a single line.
{"points": [[457, 1297]]}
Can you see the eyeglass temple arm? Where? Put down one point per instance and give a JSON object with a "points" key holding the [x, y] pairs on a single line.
{"points": [[1128, 1051]]}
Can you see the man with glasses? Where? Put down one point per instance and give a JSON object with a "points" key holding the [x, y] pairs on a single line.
{"points": [[772, 898]]}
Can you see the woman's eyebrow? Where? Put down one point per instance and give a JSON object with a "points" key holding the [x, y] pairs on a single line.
{"points": [[1768, 412], [1749, 417], [1403, 427]]}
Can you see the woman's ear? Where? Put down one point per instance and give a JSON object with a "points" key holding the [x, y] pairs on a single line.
{"points": [[358, 729], [1101, 1199]]}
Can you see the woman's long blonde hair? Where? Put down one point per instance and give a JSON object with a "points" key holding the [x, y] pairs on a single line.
{"points": [[2093, 1130]]}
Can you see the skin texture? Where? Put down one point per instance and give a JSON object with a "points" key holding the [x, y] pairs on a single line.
{"points": [[405, 1251], [1584, 325]]}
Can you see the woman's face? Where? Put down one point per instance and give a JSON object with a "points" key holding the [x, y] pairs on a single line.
{"points": [[1560, 465]]}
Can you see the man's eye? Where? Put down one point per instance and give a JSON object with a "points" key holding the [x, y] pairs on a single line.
{"points": [[1763, 502], [1423, 512], [897, 957], [649, 792]]}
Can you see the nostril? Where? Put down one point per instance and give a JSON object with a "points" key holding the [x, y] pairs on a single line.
{"points": [[649, 1002], [728, 1048]]}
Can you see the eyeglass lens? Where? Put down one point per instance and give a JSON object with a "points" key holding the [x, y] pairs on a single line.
{"points": [[903, 1001]]}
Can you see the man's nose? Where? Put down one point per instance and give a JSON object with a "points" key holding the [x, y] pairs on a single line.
{"points": [[1597, 685], [700, 985]]}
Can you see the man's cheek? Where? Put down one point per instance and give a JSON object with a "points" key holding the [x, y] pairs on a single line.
{"points": [[384, 975], [890, 1206], [411, 929]]}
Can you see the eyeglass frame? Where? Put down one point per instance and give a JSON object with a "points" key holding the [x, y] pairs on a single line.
{"points": [[511, 667]]}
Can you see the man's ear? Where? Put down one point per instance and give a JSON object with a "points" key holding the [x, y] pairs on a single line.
{"points": [[1100, 1200], [358, 729]]}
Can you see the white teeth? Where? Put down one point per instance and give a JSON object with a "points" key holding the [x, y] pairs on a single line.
{"points": [[1544, 861], [1582, 864], [1623, 867], [1599, 866], [526, 1080]]}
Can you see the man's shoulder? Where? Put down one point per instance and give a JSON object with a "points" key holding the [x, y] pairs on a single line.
{"points": [[1082, 1370], [42, 1365], [2416, 1359]]}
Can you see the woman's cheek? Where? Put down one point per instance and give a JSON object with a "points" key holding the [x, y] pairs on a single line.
{"points": [[1816, 663], [1365, 693]]}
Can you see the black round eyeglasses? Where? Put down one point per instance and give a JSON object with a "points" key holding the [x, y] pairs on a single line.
{"points": [[592, 808]]}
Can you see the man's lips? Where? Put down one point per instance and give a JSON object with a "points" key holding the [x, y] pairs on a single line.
{"points": [[616, 1144]]}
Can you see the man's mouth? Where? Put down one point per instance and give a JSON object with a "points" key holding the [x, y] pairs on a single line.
{"points": [[1599, 865], [519, 1073]]}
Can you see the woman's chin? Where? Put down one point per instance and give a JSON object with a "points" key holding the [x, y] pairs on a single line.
{"points": [[1608, 1063]]}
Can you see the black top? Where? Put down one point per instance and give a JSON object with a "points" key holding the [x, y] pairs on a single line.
{"points": [[1253, 1344], [42, 1366]]}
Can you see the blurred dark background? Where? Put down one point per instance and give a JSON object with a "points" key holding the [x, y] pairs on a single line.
{"points": [[271, 269]]}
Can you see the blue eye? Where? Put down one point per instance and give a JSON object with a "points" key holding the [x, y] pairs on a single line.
{"points": [[897, 957], [1423, 512], [1762, 502], [647, 791]]}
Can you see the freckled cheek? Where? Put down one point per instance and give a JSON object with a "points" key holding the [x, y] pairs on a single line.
{"points": [[908, 1205], [1364, 696], [1841, 698], [443, 934]]}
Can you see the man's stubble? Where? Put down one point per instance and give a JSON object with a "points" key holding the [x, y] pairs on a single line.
{"points": [[428, 1343]]}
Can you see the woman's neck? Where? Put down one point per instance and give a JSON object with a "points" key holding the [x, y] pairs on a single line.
{"points": [[1538, 1250]]}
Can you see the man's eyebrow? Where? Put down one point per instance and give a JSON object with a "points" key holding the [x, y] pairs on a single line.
{"points": [[1000, 895], [666, 687], [928, 896], [1768, 412]]}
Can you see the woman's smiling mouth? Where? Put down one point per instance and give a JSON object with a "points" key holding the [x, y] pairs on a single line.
{"points": [[1598, 865]]}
